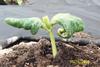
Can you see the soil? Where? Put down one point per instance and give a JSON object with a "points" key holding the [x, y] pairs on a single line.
{"points": [[38, 54]]}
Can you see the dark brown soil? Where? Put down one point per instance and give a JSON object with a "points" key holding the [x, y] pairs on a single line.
{"points": [[38, 54]]}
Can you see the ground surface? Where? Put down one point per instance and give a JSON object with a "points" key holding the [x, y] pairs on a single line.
{"points": [[38, 54], [88, 10]]}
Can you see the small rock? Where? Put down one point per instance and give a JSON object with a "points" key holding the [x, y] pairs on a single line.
{"points": [[5, 51]]}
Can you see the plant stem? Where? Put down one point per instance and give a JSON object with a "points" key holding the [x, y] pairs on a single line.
{"points": [[54, 48]]}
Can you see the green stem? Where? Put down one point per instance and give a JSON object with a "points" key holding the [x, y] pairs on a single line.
{"points": [[47, 26], [54, 48]]}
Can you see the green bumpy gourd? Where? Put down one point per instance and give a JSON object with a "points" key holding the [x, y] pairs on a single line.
{"points": [[32, 24], [70, 24]]}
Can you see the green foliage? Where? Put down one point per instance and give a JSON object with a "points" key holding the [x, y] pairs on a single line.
{"points": [[33, 24], [70, 24]]}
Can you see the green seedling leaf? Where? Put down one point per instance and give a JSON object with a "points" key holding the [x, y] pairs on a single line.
{"points": [[47, 25], [70, 24], [32, 24]]}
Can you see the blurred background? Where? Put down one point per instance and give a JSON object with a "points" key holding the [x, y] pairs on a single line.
{"points": [[88, 10]]}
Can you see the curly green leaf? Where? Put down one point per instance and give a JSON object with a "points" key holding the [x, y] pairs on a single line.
{"points": [[32, 24], [70, 24]]}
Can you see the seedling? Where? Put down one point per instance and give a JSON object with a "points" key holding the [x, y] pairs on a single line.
{"points": [[70, 24]]}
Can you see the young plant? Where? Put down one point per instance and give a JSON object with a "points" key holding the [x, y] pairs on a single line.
{"points": [[70, 24]]}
